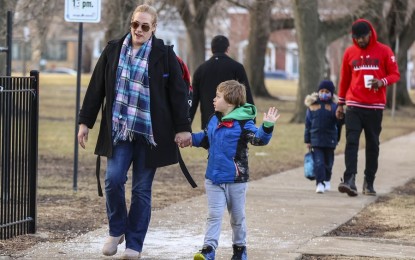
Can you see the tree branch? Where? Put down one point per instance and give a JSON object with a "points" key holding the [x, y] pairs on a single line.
{"points": [[334, 29], [239, 4]]}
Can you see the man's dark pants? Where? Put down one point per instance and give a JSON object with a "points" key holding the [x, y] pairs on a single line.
{"points": [[369, 121]]}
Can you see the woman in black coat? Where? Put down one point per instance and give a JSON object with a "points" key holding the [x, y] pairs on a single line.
{"points": [[144, 118]]}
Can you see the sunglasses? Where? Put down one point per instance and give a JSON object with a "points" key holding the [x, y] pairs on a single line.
{"points": [[145, 27]]}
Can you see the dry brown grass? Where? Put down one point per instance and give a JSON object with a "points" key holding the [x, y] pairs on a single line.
{"points": [[391, 217]]}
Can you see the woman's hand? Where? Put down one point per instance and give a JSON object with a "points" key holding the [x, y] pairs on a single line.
{"points": [[83, 135]]}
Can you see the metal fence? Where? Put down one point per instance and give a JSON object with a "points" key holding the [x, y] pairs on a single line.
{"points": [[19, 114]]}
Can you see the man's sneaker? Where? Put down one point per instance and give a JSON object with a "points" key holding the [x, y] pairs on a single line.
{"points": [[320, 188], [348, 186], [368, 189], [327, 186], [207, 253], [239, 253]]}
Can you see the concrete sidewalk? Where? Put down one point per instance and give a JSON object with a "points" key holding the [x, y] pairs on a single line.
{"points": [[286, 218]]}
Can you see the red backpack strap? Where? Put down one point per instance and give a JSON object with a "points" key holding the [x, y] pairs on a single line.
{"points": [[185, 71]]}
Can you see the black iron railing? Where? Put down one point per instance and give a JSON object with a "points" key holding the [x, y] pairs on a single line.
{"points": [[19, 114]]}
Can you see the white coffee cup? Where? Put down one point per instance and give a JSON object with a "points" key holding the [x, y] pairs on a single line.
{"points": [[367, 79]]}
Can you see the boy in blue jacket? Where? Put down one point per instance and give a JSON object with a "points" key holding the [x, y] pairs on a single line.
{"points": [[226, 137], [321, 132]]}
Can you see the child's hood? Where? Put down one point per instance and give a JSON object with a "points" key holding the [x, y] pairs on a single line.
{"points": [[313, 98], [247, 111]]}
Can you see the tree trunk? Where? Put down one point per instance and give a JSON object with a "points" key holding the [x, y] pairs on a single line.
{"points": [[311, 52], [197, 40], [194, 15], [260, 17], [396, 24], [119, 14]]}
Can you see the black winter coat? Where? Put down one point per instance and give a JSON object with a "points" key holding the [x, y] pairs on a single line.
{"points": [[168, 101], [220, 67]]}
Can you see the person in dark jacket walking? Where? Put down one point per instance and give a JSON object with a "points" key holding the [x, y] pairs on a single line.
{"points": [[321, 132], [220, 67], [226, 137], [144, 119]]}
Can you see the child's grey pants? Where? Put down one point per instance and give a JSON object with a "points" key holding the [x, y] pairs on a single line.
{"points": [[232, 196]]}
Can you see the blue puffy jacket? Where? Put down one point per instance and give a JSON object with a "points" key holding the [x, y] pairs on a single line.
{"points": [[228, 148], [321, 124]]}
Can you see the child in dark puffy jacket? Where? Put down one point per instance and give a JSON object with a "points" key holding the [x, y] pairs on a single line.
{"points": [[322, 132], [226, 137]]}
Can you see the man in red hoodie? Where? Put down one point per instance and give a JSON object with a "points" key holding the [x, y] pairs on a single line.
{"points": [[368, 67]]}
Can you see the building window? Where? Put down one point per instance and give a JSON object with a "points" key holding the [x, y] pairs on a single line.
{"points": [[292, 62], [57, 51], [20, 49]]}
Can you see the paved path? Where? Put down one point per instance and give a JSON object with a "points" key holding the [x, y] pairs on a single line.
{"points": [[286, 218]]}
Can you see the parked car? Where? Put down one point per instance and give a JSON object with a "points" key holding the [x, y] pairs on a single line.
{"points": [[60, 70], [276, 74]]}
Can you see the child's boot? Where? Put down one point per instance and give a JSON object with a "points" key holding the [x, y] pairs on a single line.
{"points": [[207, 253], [239, 253]]}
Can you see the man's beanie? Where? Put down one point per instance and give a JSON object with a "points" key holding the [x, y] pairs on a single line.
{"points": [[219, 44], [327, 84], [360, 29]]}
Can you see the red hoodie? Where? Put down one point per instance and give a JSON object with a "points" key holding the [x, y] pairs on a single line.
{"points": [[377, 60]]}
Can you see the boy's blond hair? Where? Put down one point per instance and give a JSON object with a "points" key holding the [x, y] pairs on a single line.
{"points": [[233, 92]]}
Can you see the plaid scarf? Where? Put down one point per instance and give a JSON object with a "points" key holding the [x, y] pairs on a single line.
{"points": [[131, 110]]}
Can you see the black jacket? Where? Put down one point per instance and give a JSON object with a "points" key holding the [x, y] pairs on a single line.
{"points": [[168, 102], [220, 67]]}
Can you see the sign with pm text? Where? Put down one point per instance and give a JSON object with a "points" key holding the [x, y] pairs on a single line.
{"points": [[83, 11]]}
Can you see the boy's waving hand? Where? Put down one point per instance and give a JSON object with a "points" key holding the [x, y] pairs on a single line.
{"points": [[272, 115]]}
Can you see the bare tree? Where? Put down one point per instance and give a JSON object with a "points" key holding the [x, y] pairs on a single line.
{"points": [[194, 14], [41, 13], [118, 17], [260, 23], [399, 24]]}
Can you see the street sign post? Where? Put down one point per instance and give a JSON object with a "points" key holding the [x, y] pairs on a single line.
{"points": [[81, 11]]}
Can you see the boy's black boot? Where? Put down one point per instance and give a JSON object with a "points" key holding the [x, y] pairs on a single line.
{"points": [[368, 188], [239, 253], [348, 185]]}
